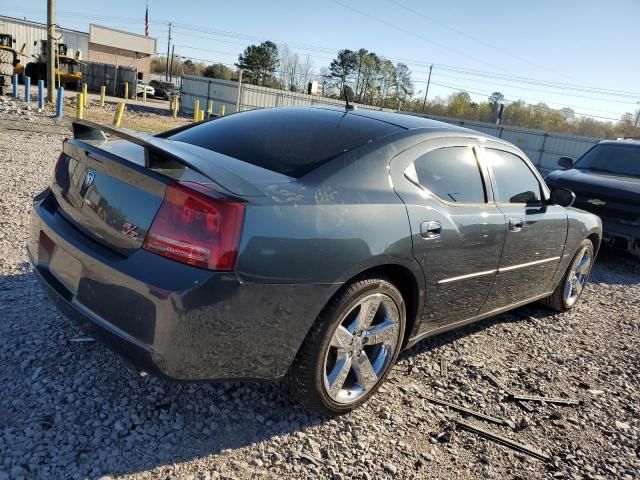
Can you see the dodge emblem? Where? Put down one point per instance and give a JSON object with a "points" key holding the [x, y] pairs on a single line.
{"points": [[89, 179]]}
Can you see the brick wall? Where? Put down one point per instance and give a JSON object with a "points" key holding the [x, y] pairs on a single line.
{"points": [[125, 58]]}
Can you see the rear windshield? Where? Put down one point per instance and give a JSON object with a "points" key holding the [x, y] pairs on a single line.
{"points": [[291, 141], [621, 159]]}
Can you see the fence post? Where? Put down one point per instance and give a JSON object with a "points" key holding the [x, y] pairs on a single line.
{"points": [[144, 93], [84, 93], [239, 91], [59, 102], [79, 106], [126, 90], [15, 85], [117, 119], [196, 107], [175, 107], [544, 142], [27, 89], [210, 107], [103, 90], [222, 110], [40, 94]]}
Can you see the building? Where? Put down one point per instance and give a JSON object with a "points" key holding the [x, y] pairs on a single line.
{"points": [[115, 47], [101, 44]]}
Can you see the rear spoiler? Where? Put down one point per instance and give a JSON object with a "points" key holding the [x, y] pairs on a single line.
{"points": [[157, 150], [87, 130]]}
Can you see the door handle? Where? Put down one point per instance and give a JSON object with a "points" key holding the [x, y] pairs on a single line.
{"points": [[515, 224], [430, 229]]}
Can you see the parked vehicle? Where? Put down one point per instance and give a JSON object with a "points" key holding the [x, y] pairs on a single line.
{"points": [[310, 244], [606, 181], [142, 86], [67, 71], [164, 89]]}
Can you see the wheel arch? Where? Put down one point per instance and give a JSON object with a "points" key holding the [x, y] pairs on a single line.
{"points": [[409, 282]]}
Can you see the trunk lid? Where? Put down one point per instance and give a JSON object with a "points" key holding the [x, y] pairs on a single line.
{"points": [[111, 188]]}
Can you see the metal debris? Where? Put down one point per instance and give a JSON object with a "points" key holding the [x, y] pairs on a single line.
{"points": [[83, 339], [503, 440], [444, 367], [306, 456], [502, 386], [531, 398], [464, 410]]}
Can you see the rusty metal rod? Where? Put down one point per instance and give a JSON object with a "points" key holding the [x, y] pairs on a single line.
{"points": [[462, 409], [531, 398], [507, 442], [500, 385]]}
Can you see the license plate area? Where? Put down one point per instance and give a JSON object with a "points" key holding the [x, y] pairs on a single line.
{"points": [[66, 269]]}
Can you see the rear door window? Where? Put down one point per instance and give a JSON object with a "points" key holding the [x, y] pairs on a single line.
{"points": [[515, 182], [291, 141], [450, 173]]}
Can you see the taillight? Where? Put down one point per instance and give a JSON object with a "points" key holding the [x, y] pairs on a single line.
{"points": [[198, 226]]}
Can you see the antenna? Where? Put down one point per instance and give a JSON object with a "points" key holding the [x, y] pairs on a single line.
{"points": [[347, 105]]}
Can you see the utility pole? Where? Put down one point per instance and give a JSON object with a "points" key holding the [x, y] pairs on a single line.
{"points": [[166, 75], [51, 50], [424, 103], [637, 117], [173, 49]]}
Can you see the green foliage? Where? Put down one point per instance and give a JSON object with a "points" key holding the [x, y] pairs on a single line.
{"points": [[218, 71], [259, 63]]}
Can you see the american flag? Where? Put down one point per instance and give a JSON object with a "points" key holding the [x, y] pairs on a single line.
{"points": [[146, 23]]}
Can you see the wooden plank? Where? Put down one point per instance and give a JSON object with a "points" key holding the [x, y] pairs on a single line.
{"points": [[507, 442]]}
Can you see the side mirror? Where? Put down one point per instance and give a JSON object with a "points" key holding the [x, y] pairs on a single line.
{"points": [[562, 196], [565, 162]]}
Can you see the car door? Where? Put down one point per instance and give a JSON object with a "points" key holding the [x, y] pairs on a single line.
{"points": [[457, 230], [535, 232]]}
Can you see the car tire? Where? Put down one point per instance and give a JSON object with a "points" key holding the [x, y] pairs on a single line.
{"points": [[574, 280], [361, 327]]}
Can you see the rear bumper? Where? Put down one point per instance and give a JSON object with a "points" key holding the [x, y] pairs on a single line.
{"points": [[179, 321], [621, 237]]}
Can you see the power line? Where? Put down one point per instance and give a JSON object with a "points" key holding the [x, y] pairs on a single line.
{"points": [[467, 35], [409, 32]]}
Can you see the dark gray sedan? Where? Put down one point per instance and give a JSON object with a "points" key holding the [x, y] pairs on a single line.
{"points": [[309, 244]]}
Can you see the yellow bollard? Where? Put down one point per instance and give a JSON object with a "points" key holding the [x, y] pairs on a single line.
{"points": [[222, 111], [210, 107], [103, 91], [126, 89], [117, 119], [84, 93], [79, 106], [175, 107], [196, 109]]}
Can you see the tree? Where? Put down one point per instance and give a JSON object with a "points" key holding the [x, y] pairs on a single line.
{"points": [[495, 100], [259, 62], [218, 71], [404, 84], [342, 67]]}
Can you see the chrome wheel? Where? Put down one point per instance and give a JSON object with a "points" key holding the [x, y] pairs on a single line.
{"points": [[361, 348], [577, 277]]}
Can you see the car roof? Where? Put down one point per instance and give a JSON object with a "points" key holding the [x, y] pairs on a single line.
{"points": [[623, 141], [403, 120]]}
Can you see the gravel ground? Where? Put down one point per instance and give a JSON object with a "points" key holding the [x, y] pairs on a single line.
{"points": [[73, 409]]}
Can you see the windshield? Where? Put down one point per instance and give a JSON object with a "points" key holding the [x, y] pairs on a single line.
{"points": [[623, 159]]}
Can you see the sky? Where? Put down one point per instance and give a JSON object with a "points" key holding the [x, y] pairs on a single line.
{"points": [[589, 47]]}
